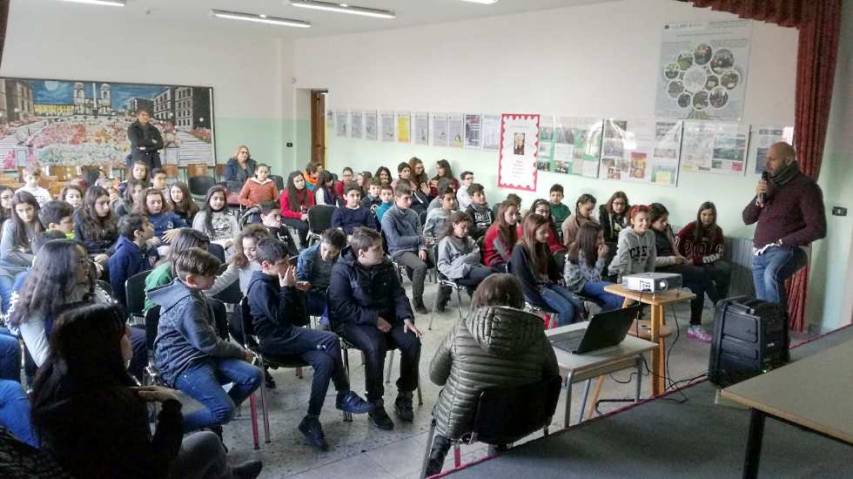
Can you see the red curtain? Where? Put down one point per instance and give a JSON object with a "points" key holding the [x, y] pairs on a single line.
{"points": [[819, 25]]}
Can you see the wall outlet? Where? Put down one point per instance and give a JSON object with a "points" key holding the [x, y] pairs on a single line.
{"points": [[289, 144], [839, 211]]}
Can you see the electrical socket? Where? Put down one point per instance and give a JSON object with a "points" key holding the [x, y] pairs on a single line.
{"points": [[839, 211]]}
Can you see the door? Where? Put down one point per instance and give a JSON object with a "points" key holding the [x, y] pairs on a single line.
{"points": [[318, 126]]}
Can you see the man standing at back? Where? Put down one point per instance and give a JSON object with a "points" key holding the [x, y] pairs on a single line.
{"points": [[788, 207]]}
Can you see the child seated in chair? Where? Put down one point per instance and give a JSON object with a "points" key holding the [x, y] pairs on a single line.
{"points": [[277, 308], [459, 256], [497, 345], [188, 352], [314, 267]]}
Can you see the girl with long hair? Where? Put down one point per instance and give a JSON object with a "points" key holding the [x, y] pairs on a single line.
{"points": [[139, 172], [215, 220], [443, 171], [384, 175], [585, 265], [613, 216], [542, 208], [94, 420], [534, 266], [182, 201], [6, 194], [325, 192], [62, 275], [242, 263], [421, 179], [153, 204], [584, 207], [95, 225], [130, 196], [703, 243], [18, 233], [73, 195], [458, 253], [296, 200], [501, 237]]}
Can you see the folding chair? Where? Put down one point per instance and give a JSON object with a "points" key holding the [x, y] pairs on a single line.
{"points": [[134, 290], [319, 220]]}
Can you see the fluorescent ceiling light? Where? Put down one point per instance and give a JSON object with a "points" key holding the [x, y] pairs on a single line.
{"points": [[251, 17], [484, 2], [344, 8], [111, 3]]}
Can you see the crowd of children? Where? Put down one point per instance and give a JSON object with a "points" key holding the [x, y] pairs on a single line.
{"points": [[93, 238]]}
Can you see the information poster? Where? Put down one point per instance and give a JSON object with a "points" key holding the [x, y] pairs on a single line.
{"points": [[714, 147], [356, 124], [404, 127], [473, 131], [666, 152], [518, 150], [370, 128], [455, 130], [641, 151], [422, 128], [387, 125], [763, 137], [342, 122], [439, 130], [703, 69], [491, 132]]}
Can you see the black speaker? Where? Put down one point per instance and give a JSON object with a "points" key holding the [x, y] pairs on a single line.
{"points": [[750, 338]]}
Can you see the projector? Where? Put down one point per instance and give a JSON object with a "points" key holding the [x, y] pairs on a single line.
{"points": [[651, 282]]}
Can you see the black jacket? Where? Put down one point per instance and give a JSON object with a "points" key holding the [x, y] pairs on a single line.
{"points": [[522, 268], [276, 311], [611, 225], [147, 136], [360, 295]]}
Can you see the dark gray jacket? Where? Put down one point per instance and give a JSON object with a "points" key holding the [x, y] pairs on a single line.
{"points": [[493, 347]]}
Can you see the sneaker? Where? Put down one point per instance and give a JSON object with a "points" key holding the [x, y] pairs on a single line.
{"points": [[352, 403], [379, 418], [698, 333], [269, 382], [312, 430], [247, 470], [421, 308], [403, 406]]}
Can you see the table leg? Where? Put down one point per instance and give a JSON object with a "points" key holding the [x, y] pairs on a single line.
{"points": [[596, 393], [639, 377], [753, 445], [585, 397], [658, 356], [567, 418]]}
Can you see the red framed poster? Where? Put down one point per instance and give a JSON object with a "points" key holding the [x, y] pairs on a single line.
{"points": [[519, 149]]}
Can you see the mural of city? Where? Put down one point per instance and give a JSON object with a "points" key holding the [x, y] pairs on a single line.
{"points": [[65, 122]]}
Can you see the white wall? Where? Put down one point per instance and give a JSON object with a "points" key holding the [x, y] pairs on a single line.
{"points": [[67, 41], [599, 60]]}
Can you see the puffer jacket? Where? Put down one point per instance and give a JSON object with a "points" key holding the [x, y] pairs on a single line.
{"points": [[494, 346]]}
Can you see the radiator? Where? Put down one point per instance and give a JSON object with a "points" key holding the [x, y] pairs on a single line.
{"points": [[739, 254]]}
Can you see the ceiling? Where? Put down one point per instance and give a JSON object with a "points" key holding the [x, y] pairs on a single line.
{"points": [[196, 13]]}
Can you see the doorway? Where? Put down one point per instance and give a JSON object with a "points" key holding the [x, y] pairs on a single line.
{"points": [[318, 127]]}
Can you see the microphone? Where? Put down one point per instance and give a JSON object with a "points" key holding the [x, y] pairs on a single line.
{"points": [[763, 196]]}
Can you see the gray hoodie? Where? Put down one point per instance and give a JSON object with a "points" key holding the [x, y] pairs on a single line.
{"points": [[455, 256], [634, 253], [185, 334]]}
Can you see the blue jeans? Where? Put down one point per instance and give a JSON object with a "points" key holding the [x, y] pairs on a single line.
{"points": [[6, 283], [10, 356], [595, 291], [561, 301], [15, 412], [203, 382], [771, 269]]}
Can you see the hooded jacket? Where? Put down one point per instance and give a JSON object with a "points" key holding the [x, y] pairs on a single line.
{"points": [[456, 256], [634, 253], [360, 295], [185, 334], [494, 346], [276, 311]]}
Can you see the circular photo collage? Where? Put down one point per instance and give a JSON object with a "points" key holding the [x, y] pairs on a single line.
{"points": [[701, 79]]}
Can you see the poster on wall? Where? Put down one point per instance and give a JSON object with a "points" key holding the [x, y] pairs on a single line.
{"points": [[714, 147], [74, 122], [473, 131], [422, 128], [439, 129], [404, 127], [703, 69], [455, 130], [342, 122], [577, 143], [370, 129], [356, 127], [387, 125], [762, 138], [545, 155], [491, 132], [641, 151], [518, 150]]}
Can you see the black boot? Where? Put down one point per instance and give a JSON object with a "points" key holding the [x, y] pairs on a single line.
{"points": [[440, 447], [444, 293], [379, 418], [269, 382], [247, 470], [403, 406]]}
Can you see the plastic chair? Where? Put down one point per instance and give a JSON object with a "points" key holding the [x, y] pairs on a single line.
{"points": [[319, 220], [505, 415], [217, 250], [279, 182], [198, 186], [134, 290]]}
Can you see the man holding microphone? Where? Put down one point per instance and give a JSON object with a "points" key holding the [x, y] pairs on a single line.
{"points": [[788, 207]]}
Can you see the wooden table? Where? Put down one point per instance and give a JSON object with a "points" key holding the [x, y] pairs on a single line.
{"points": [[657, 301], [584, 367], [813, 393]]}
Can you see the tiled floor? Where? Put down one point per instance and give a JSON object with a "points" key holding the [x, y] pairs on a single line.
{"points": [[361, 451]]}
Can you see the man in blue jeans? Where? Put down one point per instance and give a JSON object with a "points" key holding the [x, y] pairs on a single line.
{"points": [[788, 207], [190, 355]]}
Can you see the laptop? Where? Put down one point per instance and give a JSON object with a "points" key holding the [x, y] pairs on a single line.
{"points": [[604, 330]]}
